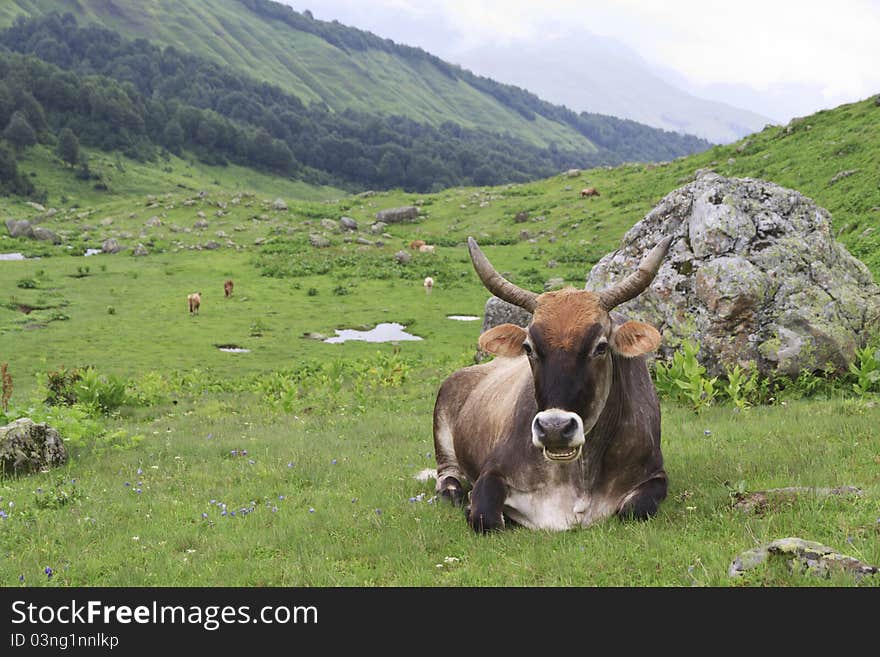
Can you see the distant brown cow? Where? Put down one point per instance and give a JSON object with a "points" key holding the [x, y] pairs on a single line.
{"points": [[426, 248], [194, 300], [227, 288], [589, 191], [415, 245]]}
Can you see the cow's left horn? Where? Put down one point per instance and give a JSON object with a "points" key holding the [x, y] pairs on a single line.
{"points": [[497, 284], [634, 284]]}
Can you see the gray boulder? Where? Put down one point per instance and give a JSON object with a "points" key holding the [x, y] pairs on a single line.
{"points": [[279, 204], [801, 556], [329, 224], [498, 312], [402, 257], [26, 446], [140, 250], [754, 275], [319, 241], [19, 228], [396, 215], [40, 233], [348, 223], [111, 246]]}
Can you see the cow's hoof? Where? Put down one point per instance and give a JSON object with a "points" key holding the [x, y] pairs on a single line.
{"points": [[451, 490]]}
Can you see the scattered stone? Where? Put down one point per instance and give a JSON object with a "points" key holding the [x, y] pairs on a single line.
{"points": [[842, 174], [19, 228], [46, 235], [364, 241], [554, 284], [348, 223], [525, 235], [211, 245], [36, 206], [26, 447], [153, 221], [221, 234], [110, 245], [402, 257], [201, 215], [521, 217], [329, 224], [107, 221], [279, 204], [318, 241], [760, 501], [378, 227], [753, 275], [201, 224], [802, 556], [397, 215], [572, 173], [552, 264], [140, 250]]}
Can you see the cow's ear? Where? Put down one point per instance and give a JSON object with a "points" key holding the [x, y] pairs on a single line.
{"points": [[503, 340], [632, 339]]}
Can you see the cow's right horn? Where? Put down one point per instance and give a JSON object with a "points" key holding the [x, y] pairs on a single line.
{"points": [[497, 284]]}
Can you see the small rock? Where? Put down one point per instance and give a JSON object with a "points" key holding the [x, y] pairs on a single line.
{"points": [[803, 556], [318, 241], [111, 246], [348, 223], [402, 257], [140, 250], [279, 204]]}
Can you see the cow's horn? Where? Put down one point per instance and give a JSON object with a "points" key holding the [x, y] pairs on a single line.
{"points": [[634, 284], [497, 284]]}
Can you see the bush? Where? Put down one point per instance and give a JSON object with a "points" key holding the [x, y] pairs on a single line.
{"points": [[683, 378], [105, 394]]}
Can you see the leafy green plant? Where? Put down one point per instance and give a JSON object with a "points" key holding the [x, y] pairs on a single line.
{"points": [[684, 379], [26, 283], [866, 370], [60, 386], [105, 394], [735, 386]]}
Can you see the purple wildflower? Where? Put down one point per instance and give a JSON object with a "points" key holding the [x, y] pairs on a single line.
{"points": [[127, 483], [21, 578], [707, 432], [333, 462], [274, 509], [49, 572], [311, 509], [210, 435], [204, 515], [281, 497], [290, 464], [3, 515], [378, 512]]}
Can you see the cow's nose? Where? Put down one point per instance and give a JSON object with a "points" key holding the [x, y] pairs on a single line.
{"points": [[557, 428]]}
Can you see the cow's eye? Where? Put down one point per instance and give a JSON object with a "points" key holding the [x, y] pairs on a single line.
{"points": [[601, 349], [527, 348]]}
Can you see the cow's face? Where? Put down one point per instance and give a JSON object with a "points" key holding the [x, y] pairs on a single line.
{"points": [[570, 346]]}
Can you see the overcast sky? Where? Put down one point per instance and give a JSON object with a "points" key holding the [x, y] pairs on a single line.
{"points": [[780, 58]]}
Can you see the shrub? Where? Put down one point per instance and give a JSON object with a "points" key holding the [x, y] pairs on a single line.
{"points": [[866, 369], [26, 283], [105, 394], [683, 378]]}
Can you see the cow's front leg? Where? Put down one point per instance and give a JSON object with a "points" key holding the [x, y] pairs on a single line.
{"points": [[643, 502], [487, 503]]}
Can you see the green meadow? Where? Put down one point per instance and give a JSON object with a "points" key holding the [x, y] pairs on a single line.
{"points": [[295, 463]]}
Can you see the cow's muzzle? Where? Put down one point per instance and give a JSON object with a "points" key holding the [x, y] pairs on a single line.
{"points": [[559, 433]]}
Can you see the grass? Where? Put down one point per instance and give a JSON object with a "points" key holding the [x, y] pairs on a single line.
{"points": [[368, 407]]}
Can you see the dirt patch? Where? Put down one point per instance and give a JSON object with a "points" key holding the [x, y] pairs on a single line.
{"points": [[774, 498]]}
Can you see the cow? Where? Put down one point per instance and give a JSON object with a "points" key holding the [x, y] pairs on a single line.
{"points": [[589, 191], [227, 288], [426, 248], [194, 300], [429, 284], [562, 428], [415, 245]]}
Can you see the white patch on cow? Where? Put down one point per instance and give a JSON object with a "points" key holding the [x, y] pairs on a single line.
{"points": [[447, 464], [551, 508], [426, 474]]}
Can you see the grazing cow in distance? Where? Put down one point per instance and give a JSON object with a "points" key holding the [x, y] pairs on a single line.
{"points": [[562, 428], [194, 300], [429, 284], [227, 288], [415, 245], [426, 248], [589, 191]]}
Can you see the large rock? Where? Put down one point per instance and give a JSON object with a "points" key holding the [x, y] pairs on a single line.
{"points": [[26, 446], [801, 556], [754, 275], [19, 228], [348, 223], [396, 215], [40, 233], [111, 245], [498, 312]]}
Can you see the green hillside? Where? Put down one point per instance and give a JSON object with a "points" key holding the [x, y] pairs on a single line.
{"points": [[346, 68]]}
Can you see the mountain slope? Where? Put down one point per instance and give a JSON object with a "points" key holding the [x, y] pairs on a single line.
{"points": [[596, 74], [346, 68]]}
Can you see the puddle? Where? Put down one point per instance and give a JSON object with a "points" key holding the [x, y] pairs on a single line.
{"points": [[12, 256], [463, 318], [91, 252], [232, 349], [386, 332]]}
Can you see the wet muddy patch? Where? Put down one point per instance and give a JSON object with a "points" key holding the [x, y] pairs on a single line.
{"points": [[232, 349], [463, 318]]}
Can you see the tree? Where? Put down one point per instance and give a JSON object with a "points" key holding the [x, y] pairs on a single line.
{"points": [[68, 146], [19, 132]]}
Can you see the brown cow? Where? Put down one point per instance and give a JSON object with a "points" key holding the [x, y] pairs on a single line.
{"points": [[589, 191], [426, 248], [415, 245], [194, 300], [227, 288], [429, 284], [562, 428]]}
